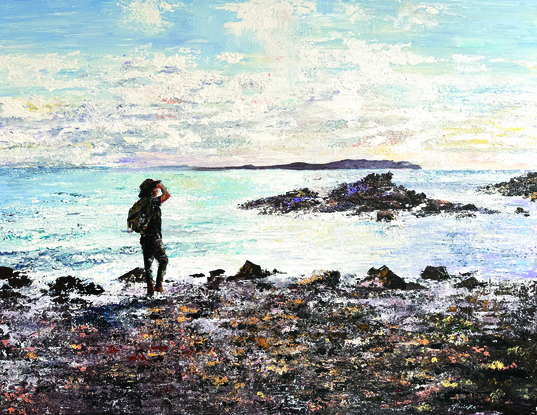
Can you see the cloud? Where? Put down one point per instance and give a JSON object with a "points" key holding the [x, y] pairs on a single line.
{"points": [[347, 98], [271, 21], [147, 15], [412, 16], [354, 13], [230, 57]]}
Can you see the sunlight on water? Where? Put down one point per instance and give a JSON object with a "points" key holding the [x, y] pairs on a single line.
{"points": [[74, 222]]}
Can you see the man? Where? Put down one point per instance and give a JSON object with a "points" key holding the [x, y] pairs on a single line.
{"points": [[151, 236]]}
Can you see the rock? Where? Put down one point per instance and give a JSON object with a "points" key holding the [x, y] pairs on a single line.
{"points": [[302, 199], [383, 277], [469, 283], [385, 215], [134, 275], [249, 271], [437, 206], [374, 192], [5, 273], [200, 275], [15, 279], [216, 273], [92, 289], [6, 292], [213, 283], [415, 286], [327, 278], [525, 186], [521, 211], [435, 273], [69, 284]]}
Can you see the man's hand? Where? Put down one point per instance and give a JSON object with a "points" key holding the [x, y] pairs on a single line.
{"points": [[165, 194]]}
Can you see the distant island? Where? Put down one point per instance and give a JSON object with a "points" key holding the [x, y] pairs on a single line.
{"points": [[347, 164]]}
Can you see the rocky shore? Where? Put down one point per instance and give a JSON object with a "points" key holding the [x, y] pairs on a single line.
{"points": [[373, 193], [525, 186], [246, 342]]}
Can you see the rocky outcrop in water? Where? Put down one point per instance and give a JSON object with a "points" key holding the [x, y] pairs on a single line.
{"points": [[295, 200], [525, 186], [374, 192]]}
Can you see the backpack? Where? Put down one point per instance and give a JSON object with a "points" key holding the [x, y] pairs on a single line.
{"points": [[139, 215]]}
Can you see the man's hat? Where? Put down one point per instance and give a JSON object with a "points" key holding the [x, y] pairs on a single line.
{"points": [[147, 187]]}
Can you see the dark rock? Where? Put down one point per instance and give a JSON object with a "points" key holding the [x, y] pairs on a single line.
{"points": [[414, 286], [264, 286], [435, 273], [469, 283], [374, 192], [525, 186], [385, 215], [302, 199], [326, 278], [7, 293], [213, 283], [15, 279], [437, 206], [470, 207], [521, 211], [64, 285], [249, 271], [133, 276], [383, 277], [200, 275], [92, 289], [5, 273], [216, 273], [69, 284]]}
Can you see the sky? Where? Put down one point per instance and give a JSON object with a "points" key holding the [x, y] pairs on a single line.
{"points": [[447, 85]]}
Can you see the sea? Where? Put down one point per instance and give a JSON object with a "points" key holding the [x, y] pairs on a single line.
{"points": [[57, 222]]}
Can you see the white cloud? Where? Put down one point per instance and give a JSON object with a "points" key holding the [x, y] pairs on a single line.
{"points": [[272, 21], [158, 103], [35, 108], [10, 138], [411, 16], [354, 13], [147, 15], [231, 57]]}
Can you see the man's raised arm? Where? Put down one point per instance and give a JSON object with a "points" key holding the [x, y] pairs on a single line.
{"points": [[165, 194]]}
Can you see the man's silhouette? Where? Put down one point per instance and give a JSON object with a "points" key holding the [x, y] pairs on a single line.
{"points": [[151, 237]]}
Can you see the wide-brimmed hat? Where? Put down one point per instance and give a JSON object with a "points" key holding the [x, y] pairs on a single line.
{"points": [[147, 186]]}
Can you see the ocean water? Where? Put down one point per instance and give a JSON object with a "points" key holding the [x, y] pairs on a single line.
{"points": [[58, 222]]}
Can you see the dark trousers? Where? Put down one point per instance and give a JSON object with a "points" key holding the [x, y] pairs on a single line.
{"points": [[153, 248]]}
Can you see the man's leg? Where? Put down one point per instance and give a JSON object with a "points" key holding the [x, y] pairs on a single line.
{"points": [[162, 258], [148, 260]]}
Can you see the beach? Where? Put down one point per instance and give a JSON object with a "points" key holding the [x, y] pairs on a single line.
{"points": [[325, 343]]}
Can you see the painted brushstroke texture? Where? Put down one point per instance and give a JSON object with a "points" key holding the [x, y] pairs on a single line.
{"points": [[446, 84]]}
